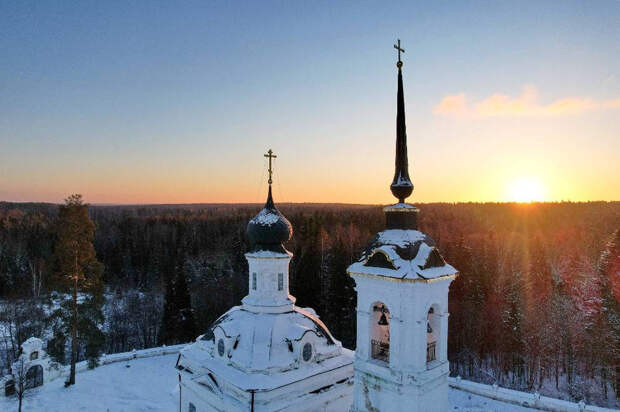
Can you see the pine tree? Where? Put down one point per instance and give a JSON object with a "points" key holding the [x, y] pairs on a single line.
{"points": [[186, 325], [79, 270], [167, 334], [342, 297]]}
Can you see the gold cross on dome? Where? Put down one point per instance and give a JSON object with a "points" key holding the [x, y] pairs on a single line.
{"points": [[270, 155], [397, 47]]}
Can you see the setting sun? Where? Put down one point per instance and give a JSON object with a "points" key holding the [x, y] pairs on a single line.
{"points": [[526, 189]]}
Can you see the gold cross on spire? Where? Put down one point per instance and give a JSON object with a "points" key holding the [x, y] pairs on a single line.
{"points": [[270, 155], [397, 47]]}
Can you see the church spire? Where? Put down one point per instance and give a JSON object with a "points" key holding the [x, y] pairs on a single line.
{"points": [[401, 186], [269, 229]]}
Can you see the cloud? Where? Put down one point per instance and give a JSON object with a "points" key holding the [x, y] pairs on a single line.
{"points": [[526, 104]]}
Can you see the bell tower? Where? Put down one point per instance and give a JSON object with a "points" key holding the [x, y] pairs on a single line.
{"points": [[402, 285]]}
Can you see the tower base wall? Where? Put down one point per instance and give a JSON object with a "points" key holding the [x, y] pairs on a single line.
{"points": [[375, 394]]}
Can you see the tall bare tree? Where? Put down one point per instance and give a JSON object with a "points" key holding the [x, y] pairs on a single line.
{"points": [[19, 376]]}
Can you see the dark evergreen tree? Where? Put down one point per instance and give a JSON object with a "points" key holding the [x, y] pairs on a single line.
{"points": [[608, 324], [178, 324], [168, 328], [186, 324], [79, 271], [341, 317]]}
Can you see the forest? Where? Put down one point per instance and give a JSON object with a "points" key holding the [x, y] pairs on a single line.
{"points": [[535, 307]]}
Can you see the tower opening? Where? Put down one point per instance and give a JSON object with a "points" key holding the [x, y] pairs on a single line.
{"points": [[433, 332], [380, 332]]}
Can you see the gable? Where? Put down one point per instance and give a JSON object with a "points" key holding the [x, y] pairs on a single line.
{"points": [[380, 260]]}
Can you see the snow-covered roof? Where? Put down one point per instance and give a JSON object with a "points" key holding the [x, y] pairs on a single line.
{"points": [[204, 364], [264, 344], [32, 344], [269, 254], [399, 207], [403, 254]]}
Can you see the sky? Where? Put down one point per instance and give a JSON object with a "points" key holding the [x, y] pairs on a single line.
{"points": [[176, 102]]}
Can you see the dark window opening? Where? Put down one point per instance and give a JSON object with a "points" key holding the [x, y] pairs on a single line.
{"points": [[433, 330], [430, 351], [34, 377], [9, 388], [380, 333], [307, 352], [434, 260], [379, 260]]}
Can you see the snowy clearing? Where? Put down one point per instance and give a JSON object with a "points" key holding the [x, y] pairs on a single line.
{"points": [[148, 384]]}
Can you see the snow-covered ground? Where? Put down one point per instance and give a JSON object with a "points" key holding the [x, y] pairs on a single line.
{"points": [[464, 401], [150, 384]]}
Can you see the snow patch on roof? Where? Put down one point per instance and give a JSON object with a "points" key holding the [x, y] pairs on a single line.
{"points": [[265, 217], [268, 254], [262, 342], [396, 243], [400, 206], [400, 237]]}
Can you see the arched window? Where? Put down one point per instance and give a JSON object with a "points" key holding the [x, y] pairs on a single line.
{"points": [[380, 332], [34, 377], [433, 330], [34, 355], [221, 347], [9, 387]]}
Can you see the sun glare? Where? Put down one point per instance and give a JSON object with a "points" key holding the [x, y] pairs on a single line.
{"points": [[527, 189]]}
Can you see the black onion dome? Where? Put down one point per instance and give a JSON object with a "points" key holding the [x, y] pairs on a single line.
{"points": [[269, 229]]}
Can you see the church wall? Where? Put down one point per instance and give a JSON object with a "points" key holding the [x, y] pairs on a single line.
{"points": [[376, 394], [332, 391], [51, 369], [264, 280], [408, 380], [205, 400]]}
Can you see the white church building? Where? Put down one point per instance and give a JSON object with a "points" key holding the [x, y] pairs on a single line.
{"points": [[269, 355]]}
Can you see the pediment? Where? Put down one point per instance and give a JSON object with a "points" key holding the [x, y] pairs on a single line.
{"points": [[380, 260]]}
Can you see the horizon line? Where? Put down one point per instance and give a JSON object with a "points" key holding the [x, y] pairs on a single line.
{"points": [[114, 204]]}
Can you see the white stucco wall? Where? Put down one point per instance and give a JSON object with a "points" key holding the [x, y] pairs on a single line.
{"points": [[266, 295], [407, 383]]}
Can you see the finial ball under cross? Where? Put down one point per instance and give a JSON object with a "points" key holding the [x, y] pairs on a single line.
{"points": [[399, 64], [270, 155]]}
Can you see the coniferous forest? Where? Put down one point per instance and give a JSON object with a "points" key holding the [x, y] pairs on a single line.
{"points": [[535, 307]]}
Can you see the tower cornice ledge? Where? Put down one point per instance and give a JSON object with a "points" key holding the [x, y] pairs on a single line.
{"points": [[258, 308], [268, 254], [404, 279], [401, 207]]}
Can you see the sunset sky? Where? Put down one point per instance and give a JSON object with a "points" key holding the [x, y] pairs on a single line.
{"points": [[161, 102]]}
